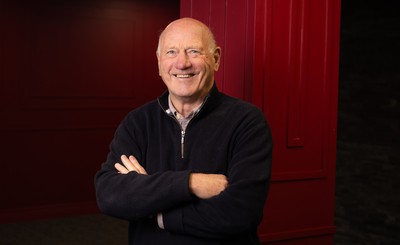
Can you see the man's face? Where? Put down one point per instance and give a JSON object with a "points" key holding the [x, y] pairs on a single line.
{"points": [[185, 61]]}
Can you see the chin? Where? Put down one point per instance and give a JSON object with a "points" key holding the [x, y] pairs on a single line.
{"points": [[184, 95]]}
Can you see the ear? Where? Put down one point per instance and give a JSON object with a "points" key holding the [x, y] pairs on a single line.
{"points": [[217, 58]]}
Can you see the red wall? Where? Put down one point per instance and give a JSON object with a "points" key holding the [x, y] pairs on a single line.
{"points": [[68, 74], [282, 55]]}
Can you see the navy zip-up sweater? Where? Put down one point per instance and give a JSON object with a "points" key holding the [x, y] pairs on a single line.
{"points": [[228, 136]]}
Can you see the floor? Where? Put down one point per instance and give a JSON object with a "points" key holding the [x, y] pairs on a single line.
{"points": [[80, 230]]}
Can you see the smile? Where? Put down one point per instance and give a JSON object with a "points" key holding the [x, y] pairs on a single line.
{"points": [[183, 75]]}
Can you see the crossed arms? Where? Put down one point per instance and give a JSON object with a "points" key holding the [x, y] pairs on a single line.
{"points": [[203, 186]]}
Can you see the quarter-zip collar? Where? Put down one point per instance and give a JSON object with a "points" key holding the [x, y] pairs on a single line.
{"points": [[183, 121], [209, 103], [212, 101]]}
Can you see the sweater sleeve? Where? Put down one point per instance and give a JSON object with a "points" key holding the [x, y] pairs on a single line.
{"points": [[133, 196], [239, 208]]}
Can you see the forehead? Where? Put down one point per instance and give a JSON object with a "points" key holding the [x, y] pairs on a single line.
{"points": [[184, 36]]}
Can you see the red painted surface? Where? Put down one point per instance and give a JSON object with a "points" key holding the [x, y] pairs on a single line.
{"points": [[282, 55], [68, 74]]}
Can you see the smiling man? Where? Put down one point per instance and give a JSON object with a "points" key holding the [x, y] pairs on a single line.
{"points": [[187, 58], [193, 166]]}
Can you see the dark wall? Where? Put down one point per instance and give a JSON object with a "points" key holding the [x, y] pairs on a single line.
{"points": [[368, 153], [69, 72]]}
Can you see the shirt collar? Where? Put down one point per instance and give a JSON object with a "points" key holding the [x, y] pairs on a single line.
{"points": [[172, 110]]}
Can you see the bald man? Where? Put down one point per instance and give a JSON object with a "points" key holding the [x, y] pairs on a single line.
{"points": [[193, 166]]}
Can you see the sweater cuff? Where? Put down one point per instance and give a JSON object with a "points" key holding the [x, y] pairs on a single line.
{"points": [[179, 188], [160, 221], [173, 220]]}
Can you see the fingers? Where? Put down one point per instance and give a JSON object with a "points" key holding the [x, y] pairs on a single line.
{"points": [[137, 165], [129, 164], [121, 169]]}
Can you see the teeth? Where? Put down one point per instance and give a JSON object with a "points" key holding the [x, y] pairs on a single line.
{"points": [[183, 75]]}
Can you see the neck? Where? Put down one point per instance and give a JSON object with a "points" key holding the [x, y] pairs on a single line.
{"points": [[185, 107]]}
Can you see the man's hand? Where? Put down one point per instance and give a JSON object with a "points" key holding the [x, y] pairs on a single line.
{"points": [[130, 164], [205, 186]]}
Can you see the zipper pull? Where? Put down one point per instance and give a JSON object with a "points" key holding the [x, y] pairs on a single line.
{"points": [[182, 144]]}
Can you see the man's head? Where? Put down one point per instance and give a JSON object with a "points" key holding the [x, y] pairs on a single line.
{"points": [[187, 59]]}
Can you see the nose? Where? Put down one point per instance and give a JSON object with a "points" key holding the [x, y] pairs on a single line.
{"points": [[182, 61]]}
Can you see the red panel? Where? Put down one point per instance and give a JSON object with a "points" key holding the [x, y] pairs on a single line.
{"points": [[296, 99], [298, 47], [297, 209], [234, 48], [295, 88], [282, 55], [69, 73]]}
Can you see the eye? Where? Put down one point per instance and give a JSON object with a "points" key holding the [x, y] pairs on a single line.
{"points": [[193, 51], [171, 52]]}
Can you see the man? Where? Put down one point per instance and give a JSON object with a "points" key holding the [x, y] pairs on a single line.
{"points": [[192, 167]]}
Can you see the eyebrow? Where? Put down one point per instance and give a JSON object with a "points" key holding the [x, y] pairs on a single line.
{"points": [[192, 47], [189, 47]]}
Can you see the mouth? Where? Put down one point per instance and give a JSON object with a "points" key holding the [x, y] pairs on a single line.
{"points": [[183, 75]]}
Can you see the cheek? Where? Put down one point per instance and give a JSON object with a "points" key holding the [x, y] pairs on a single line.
{"points": [[209, 67], [164, 67]]}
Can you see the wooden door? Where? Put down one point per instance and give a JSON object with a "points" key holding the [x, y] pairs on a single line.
{"points": [[282, 55]]}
